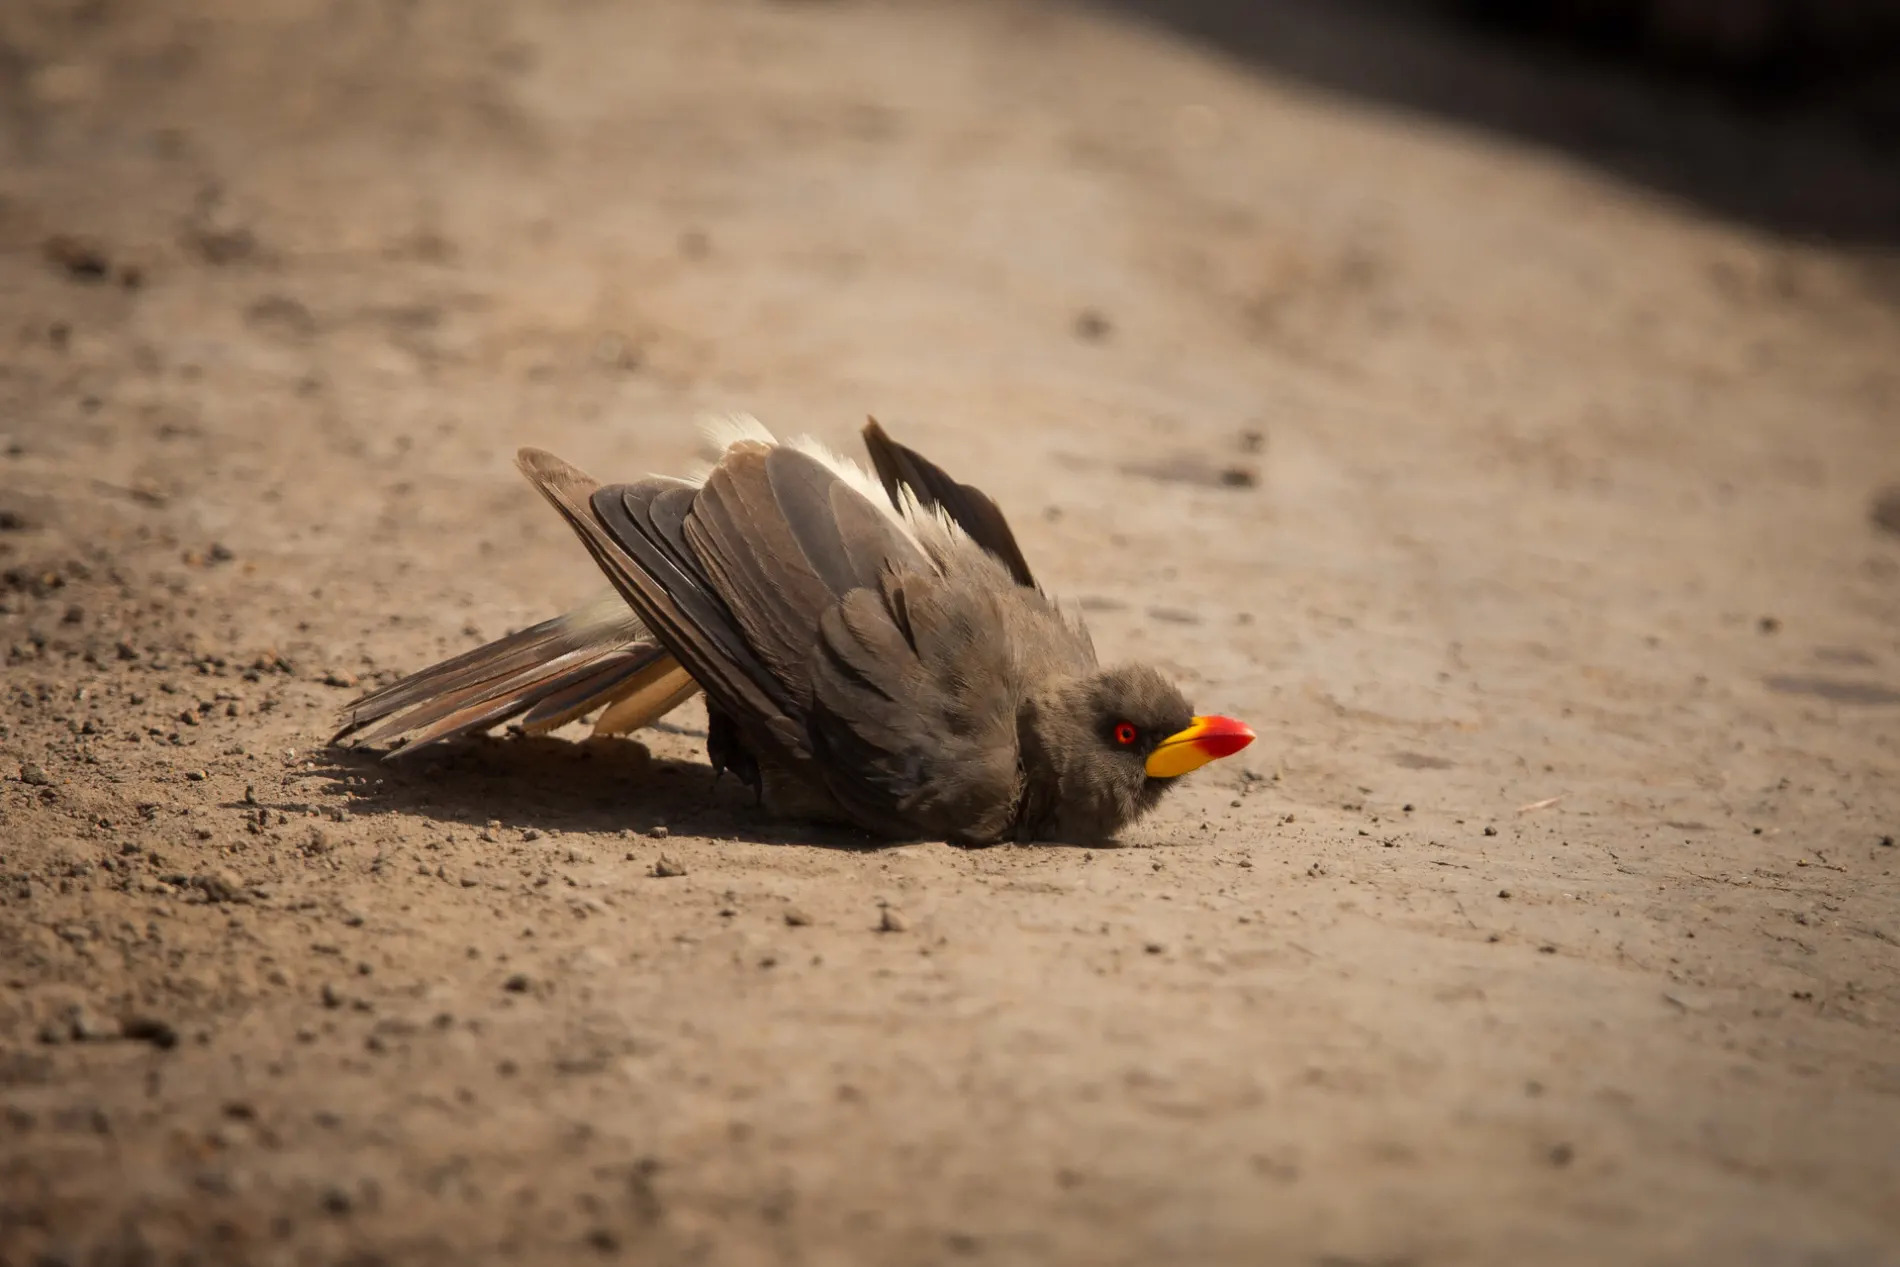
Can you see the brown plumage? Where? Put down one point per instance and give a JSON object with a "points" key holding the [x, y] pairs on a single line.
{"points": [[882, 660]]}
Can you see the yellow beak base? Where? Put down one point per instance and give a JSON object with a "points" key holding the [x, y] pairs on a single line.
{"points": [[1206, 739]]}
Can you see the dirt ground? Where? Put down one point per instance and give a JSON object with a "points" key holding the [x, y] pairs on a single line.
{"points": [[1525, 513]]}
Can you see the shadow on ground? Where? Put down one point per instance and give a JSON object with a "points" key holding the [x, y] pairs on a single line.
{"points": [[553, 785]]}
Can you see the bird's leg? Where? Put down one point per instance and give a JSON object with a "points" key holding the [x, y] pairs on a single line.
{"points": [[727, 751]]}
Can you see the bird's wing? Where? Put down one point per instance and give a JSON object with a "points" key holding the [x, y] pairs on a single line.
{"points": [[784, 538], [819, 626], [900, 663], [969, 508], [914, 701], [635, 533], [786, 533]]}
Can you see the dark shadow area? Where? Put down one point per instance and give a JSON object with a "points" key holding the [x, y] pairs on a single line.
{"points": [[554, 785], [600, 785], [1795, 137]]}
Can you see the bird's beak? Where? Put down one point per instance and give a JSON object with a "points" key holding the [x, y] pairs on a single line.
{"points": [[1205, 740]]}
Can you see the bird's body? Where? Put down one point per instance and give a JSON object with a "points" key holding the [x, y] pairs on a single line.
{"points": [[876, 656]]}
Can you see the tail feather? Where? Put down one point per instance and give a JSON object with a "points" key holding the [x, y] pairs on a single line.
{"points": [[472, 717], [554, 672], [629, 679], [646, 703], [593, 676], [605, 622]]}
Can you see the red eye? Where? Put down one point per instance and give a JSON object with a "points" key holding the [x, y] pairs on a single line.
{"points": [[1126, 734]]}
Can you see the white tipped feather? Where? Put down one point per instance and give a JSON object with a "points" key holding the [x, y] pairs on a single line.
{"points": [[929, 528], [722, 431], [851, 473]]}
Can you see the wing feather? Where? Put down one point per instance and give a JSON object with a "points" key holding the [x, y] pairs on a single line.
{"points": [[784, 539], [918, 735], [970, 508], [671, 595]]}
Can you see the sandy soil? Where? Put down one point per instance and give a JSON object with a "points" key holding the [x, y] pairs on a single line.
{"points": [[1553, 918]]}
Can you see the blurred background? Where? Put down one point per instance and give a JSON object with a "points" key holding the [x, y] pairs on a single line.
{"points": [[1785, 113], [1497, 406]]}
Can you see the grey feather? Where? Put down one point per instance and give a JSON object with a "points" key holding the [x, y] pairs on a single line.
{"points": [[584, 658], [970, 508], [896, 669]]}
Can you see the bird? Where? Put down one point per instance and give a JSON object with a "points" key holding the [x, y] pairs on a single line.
{"points": [[873, 649]]}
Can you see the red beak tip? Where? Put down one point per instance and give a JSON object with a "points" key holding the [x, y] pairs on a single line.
{"points": [[1225, 737]]}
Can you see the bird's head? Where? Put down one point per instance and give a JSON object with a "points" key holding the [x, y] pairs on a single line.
{"points": [[1099, 751]]}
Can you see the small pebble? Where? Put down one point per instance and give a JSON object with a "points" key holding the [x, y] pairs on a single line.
{"points": [[796, 918], [891, 920], [220, 885], [666, 868]]}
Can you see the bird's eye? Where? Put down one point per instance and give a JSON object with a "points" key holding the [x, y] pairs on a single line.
{"points": [[1126, 734]]}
